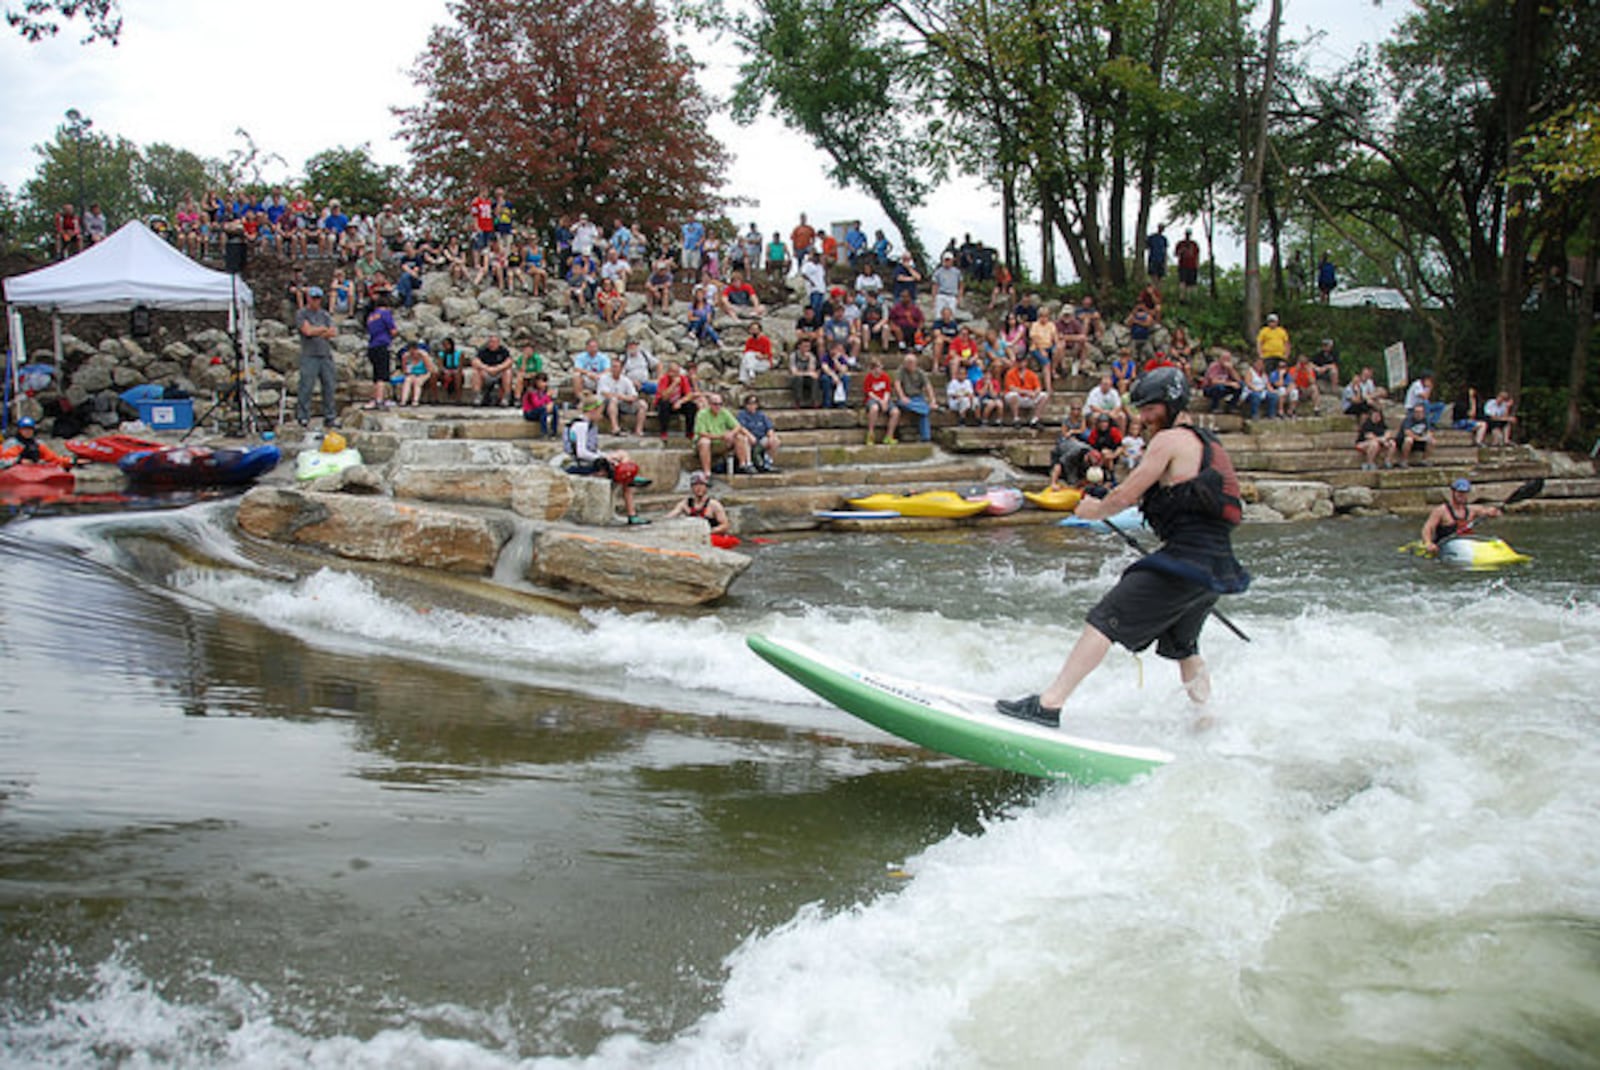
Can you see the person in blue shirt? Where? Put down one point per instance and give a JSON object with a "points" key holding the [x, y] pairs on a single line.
{"points": [[334, 224], [1156, 252], [855, 239], [694, 236], [1327, 277]]}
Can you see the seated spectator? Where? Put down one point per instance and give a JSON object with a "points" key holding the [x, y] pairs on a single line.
{"points": [[701, 504], [1280, 383], [839, 330], [492, 373], [990, 393], [1142, 322], [581, 283], [416, 364], [1093, 322], [942, 333], [1105, 443], [716, 426], [610, 303], [739, 298], [1259, 397], [1072, 342], [873, 324], [1304, 378], [1104, 398], [699, 322], [913, 393], [615, 269], [1133, 444], [805, 376], [539, 406], [1416, 435], [834, 367], [868, 283], [1124, 371], [877, 392], [1325, 362], [905, 279], [676, 395], [658, 287], [1182, 350], [618, 398], [961, 350], [1042, 349], [1500, 412], [1373, 438], [641, 366], [905, 321], [765, 450], [960, 397], [1421, 390], [455, 260], [1024, 392], [534, 271], [1014, 335], [447, 359], [529, 362], [587, 368], [583, 447], [1221, 384], [1464, 415], [756, 359]]}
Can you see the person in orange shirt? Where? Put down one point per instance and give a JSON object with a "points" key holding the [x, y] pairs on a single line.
{"points": [[1024, 391], [802, 237], [28, 447]]}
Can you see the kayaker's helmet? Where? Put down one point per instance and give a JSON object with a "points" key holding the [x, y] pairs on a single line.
{"points": [[333, 442], [1462, 485], [26, 424], [1164, 386], [625, 473]]}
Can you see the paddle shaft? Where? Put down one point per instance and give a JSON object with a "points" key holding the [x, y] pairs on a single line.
{"points": [[1142, 552]]}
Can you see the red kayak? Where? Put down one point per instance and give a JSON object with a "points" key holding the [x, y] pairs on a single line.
{"points": [[112, 448], [34, 473]]}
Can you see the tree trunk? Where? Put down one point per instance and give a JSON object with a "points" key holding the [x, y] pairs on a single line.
{"points": [[1583, 330], [1255, 167], [1008, 219], [1047, 242], [1522, 56]]}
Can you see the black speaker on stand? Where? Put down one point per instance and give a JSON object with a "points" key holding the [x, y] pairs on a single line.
{"points": [[235, 401]]}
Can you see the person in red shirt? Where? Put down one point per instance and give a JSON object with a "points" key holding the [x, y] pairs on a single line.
{"points": [[482, 208], [1188, 254], [739, 298], [69, 235], [905, 320], [878, 393]]}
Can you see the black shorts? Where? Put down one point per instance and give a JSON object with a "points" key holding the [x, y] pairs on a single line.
{"points": [[1147, 607], [1188, 276], [379, 356]]}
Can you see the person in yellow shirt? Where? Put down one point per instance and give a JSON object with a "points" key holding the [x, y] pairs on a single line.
{"points": [[1272, 344]]}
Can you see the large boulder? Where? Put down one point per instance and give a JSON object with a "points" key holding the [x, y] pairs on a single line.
{"points": [[1346, 499], [1293, 498], [530, 490], [376, 529], [632, 565], [458, 309]]}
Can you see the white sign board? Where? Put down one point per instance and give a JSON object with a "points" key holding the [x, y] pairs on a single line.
{"points": [[1394, 359]]}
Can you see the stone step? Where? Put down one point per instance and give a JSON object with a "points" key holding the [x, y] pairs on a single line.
{"points": [[1308, 461]]}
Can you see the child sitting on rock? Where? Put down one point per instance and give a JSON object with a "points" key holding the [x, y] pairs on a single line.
{"points": [[583, 446]]}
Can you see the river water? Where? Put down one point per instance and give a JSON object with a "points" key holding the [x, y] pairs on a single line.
{"points": [[266, 815]]}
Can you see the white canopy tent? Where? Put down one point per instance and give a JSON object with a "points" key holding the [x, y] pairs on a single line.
{"points": [[132, 268]]}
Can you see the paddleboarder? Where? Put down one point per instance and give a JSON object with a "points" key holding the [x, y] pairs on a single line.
{"points": [[1453, 516], [1189, 493]]}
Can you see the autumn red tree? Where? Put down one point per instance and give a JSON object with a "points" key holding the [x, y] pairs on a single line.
{"points": [[570, 107]]}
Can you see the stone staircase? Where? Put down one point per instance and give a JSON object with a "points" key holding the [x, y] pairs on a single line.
{"points": [[825, 461]]}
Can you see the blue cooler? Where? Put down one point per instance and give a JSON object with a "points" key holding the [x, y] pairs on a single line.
{"points": [[176, 414]]}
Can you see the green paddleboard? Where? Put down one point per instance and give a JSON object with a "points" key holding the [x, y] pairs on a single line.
{"points": [[954, 723]]}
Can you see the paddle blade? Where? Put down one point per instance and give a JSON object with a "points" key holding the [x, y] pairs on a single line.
{"points": [[1530, 489]]}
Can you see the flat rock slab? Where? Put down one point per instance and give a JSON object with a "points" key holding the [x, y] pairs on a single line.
{"points": [[667, 567], [376, 529]]}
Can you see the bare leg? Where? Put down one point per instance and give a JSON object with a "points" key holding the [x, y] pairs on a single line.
{"points": [[1087, 653]]}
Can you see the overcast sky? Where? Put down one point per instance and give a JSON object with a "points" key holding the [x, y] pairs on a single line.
{"points": [[306, 75]]}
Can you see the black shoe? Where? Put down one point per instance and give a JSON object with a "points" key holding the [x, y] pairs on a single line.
{"points": [[747, 469], [1028, 709], [770, 467]]}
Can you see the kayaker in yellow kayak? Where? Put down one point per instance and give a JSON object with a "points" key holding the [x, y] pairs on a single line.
{"points": [[1454, 516]]}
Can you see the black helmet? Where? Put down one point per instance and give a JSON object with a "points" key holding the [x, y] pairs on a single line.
{"points": [[1167, 386]]}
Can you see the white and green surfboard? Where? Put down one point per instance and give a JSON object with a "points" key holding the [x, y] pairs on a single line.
{"points": [[956, 723]]}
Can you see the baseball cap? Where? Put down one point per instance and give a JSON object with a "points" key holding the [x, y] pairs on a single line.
{"points": [[1272, 317], [315, 291], [698, 477], [1462, 485]]}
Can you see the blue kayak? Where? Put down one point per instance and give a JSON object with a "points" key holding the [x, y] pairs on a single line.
{"points": [[199, 466], [1130, 520]]}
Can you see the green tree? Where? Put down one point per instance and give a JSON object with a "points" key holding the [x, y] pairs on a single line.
{"points": [[108, 167], [352, 177], [10, 221], [826, 69], [568, 107], [38, 19], [168, 174]]}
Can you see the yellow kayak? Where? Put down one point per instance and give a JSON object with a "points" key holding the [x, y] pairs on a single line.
{"points": [[1060, 500], [939, 503], [1476, 553]]}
